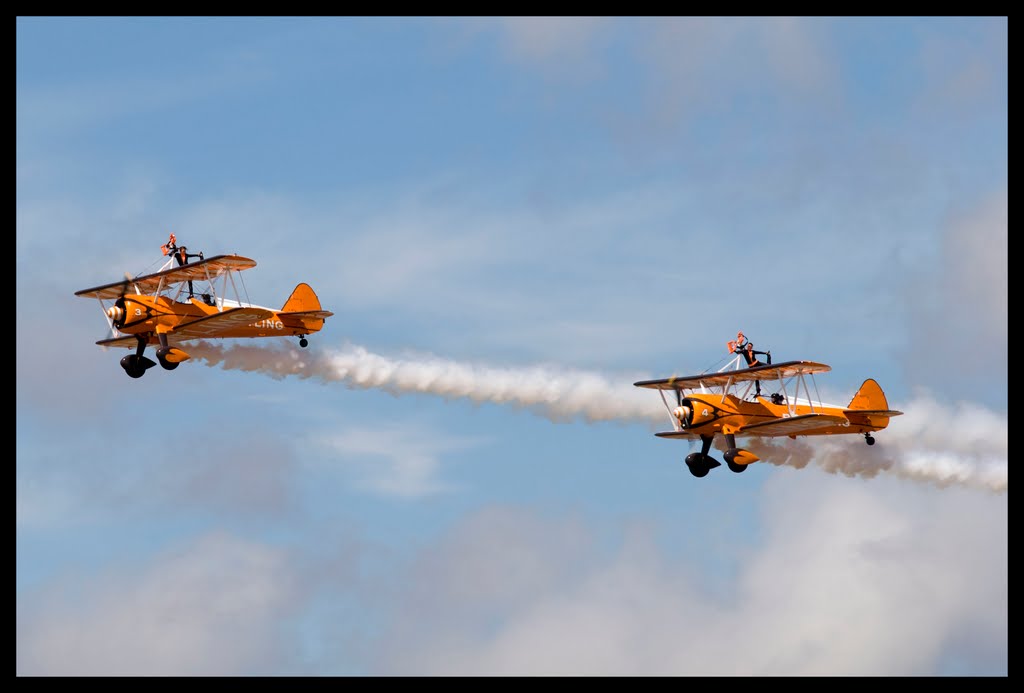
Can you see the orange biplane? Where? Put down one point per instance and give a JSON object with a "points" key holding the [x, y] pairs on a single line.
{"points": [[729, 402], [183, 302]]}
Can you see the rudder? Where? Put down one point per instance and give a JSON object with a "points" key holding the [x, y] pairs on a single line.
{"points": [[869, 396], [302, 299]]}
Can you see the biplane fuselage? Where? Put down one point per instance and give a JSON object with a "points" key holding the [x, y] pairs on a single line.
{"points": [[178, 304], [715, 413], [152, 315]]}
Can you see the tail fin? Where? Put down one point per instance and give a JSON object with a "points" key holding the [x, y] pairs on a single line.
{"points": [[869, 396], [302, 300]]}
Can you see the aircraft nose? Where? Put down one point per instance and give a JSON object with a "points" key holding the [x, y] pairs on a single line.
{"points": [[115, 313], [682, 413]]}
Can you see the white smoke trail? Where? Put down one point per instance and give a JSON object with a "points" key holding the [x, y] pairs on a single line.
{"points": [[559, 394], [964, 445]]}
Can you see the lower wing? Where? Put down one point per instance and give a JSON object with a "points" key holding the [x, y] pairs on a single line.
{"points": [[792, 425], [212, 325]]}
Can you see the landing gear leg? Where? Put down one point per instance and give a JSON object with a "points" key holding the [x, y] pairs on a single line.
{"points": [[699, 462]]}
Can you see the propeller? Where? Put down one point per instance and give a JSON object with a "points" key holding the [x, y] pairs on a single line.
{"points": [[116, 311]]}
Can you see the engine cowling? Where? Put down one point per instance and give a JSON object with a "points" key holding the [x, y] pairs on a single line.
{"points": [[127, 314], [691, 412]]}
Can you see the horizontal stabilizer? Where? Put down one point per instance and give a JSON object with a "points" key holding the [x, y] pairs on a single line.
{"points": [[873, 412], [318, 314]]}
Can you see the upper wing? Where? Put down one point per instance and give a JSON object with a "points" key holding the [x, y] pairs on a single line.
{"points": [[204, 270], [775, 371]]}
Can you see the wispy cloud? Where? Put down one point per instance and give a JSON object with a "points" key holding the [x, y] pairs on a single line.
{"points": [[841, 581], [209, 608], [841, 585], [214, 467], [64, 107], [957, 306], [515, 212], [401, 460]]}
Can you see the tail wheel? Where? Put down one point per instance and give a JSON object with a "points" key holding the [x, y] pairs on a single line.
{"points": [[303, 342]]}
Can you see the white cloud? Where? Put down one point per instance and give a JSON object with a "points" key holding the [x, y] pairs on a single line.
{"points": [[841, 578], [604, 280], [401, 460], [850, 580], [56, 109], [974, 276], [965, 69], [957, 307], [689, 54], [211, 608], [220, 467], [544, 39]]}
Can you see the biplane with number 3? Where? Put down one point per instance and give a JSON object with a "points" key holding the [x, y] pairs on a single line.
{"points": [[189, 301], [729, 402]]}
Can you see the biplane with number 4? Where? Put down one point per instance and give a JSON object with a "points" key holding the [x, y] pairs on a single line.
{"points": [[729, 402], [189, 301]]}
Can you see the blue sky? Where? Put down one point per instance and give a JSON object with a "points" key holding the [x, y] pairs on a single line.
{"points": [[513, 219]]}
